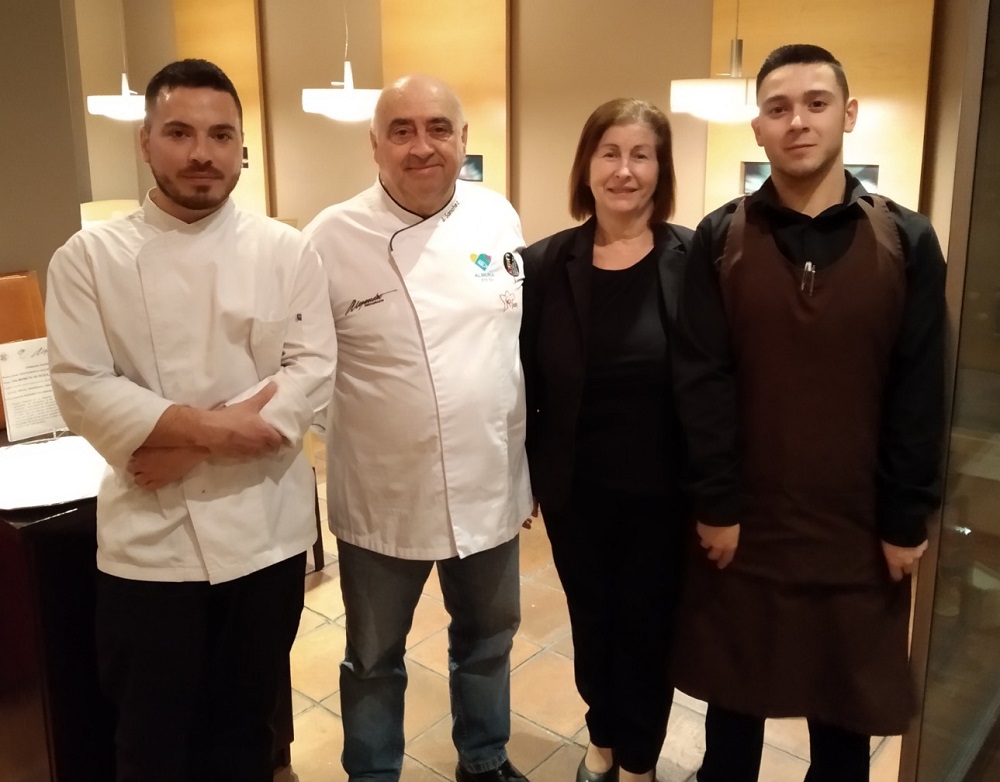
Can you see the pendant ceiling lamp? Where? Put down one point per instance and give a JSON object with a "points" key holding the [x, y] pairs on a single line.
{"points": [[725, 98], [127, 105], [343, 102]]}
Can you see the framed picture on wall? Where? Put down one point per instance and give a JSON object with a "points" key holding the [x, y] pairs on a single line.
{"points": [[472, 169], [754, 175]]}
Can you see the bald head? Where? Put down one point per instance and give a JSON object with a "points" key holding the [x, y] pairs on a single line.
{"points": [[418, 88], [418, 136]]}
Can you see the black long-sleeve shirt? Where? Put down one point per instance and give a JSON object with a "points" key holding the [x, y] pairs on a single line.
{"points": [[909, 462]]}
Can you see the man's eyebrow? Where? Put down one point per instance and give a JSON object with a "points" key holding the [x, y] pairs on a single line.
{"points": [[401, 123], [222, 126]]}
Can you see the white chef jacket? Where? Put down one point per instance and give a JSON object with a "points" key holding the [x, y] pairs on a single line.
{"points": [[147, 311], [426, 426]]}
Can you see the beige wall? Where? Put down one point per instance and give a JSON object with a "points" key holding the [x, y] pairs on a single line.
{"points": [[569, 56], [111, 160], [463, 42], [315, 161], [885, 50], [225, 32], [39, 199]]}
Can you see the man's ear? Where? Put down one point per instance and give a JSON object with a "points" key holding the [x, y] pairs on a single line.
{"points": [[755, 124], [144, 141], [850, 115]]}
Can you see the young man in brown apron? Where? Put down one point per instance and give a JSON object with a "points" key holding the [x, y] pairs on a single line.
{"points": [[809, 372]]}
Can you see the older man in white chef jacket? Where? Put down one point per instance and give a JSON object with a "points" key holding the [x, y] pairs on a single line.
{"points": [[192, 343], [426, 430]]}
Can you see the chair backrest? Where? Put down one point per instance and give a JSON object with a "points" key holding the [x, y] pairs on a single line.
{"points": [[22, 315]]}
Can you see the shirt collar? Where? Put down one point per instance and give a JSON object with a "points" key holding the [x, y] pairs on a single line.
{"points": [[766, 198]]}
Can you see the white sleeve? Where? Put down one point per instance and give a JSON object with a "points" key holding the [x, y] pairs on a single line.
{"points": [[309, 353], [113, 413]]}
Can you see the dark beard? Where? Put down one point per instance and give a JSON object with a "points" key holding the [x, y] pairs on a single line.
{"points": [[196, 202]]}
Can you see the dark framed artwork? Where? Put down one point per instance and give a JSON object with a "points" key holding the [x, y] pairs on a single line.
{"points": [[472, 169]]}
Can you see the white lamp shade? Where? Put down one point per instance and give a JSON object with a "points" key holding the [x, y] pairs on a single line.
{"points": [[127, 106], [722, 99], [345, 103]]}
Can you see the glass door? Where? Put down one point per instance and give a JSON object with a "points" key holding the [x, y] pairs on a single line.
{"points": [[960, 732]]}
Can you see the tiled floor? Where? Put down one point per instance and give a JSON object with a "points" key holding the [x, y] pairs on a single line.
{"points": [[548, 735]]}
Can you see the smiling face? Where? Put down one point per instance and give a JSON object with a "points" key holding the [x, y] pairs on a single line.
{"points": [[624, 172], [804, 115], [418, 140], [193, 143]]}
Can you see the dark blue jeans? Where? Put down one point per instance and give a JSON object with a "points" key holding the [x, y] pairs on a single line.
{"points": [[482, 597]]}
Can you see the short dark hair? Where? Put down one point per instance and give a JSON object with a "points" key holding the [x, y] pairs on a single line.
{"points": [[623, 111], [190, 73], [802, 54]]}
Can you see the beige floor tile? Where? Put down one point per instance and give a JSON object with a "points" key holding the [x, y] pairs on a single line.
{"points": [[315, 661], [429, 618], [434, 749], [547, 576], [885, 763], [560, 766], [564, 646], [788, 735], [685, 744], [544, 618], [582, 737], [310, 620], [300, 703], [323, 592], [427, 700], [432, 587], [542, 690], [778, 766], [332, 703], [414, 771], [522, 651], [530, 744], [792, 736], [319, 740], [534, 549], [685, 700], [432, 652]]}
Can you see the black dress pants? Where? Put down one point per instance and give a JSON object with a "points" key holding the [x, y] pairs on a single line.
{"points": [[618, 556], [193, 671], [734, 744]]}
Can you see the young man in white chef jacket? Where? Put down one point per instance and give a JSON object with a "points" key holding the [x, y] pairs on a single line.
{"points": [[426, 430], [192, 343]]}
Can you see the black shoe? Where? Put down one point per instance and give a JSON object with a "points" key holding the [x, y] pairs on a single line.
{"points": [[505, 773], [584, 774]]}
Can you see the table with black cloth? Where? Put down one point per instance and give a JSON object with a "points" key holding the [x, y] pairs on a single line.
{"points": [[55, 726]]}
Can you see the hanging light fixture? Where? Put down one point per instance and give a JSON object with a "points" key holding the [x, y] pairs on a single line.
{"points": [[128, 105], [343, 103], [725, 98]]}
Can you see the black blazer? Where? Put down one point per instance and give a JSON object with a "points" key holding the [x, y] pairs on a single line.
{"points": [[556, 299]]}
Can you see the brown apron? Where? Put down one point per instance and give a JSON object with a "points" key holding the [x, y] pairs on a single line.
{"points": [[805, 621]]}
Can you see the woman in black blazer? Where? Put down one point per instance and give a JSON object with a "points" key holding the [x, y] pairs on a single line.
{"points": [[603, 440]]}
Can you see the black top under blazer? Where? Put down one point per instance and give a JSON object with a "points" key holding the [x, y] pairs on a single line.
{"points": [[556, 298]]}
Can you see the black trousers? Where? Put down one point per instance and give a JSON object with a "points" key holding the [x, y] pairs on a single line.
{"points": [[734, 744], [618, 556], [193, 671]]}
